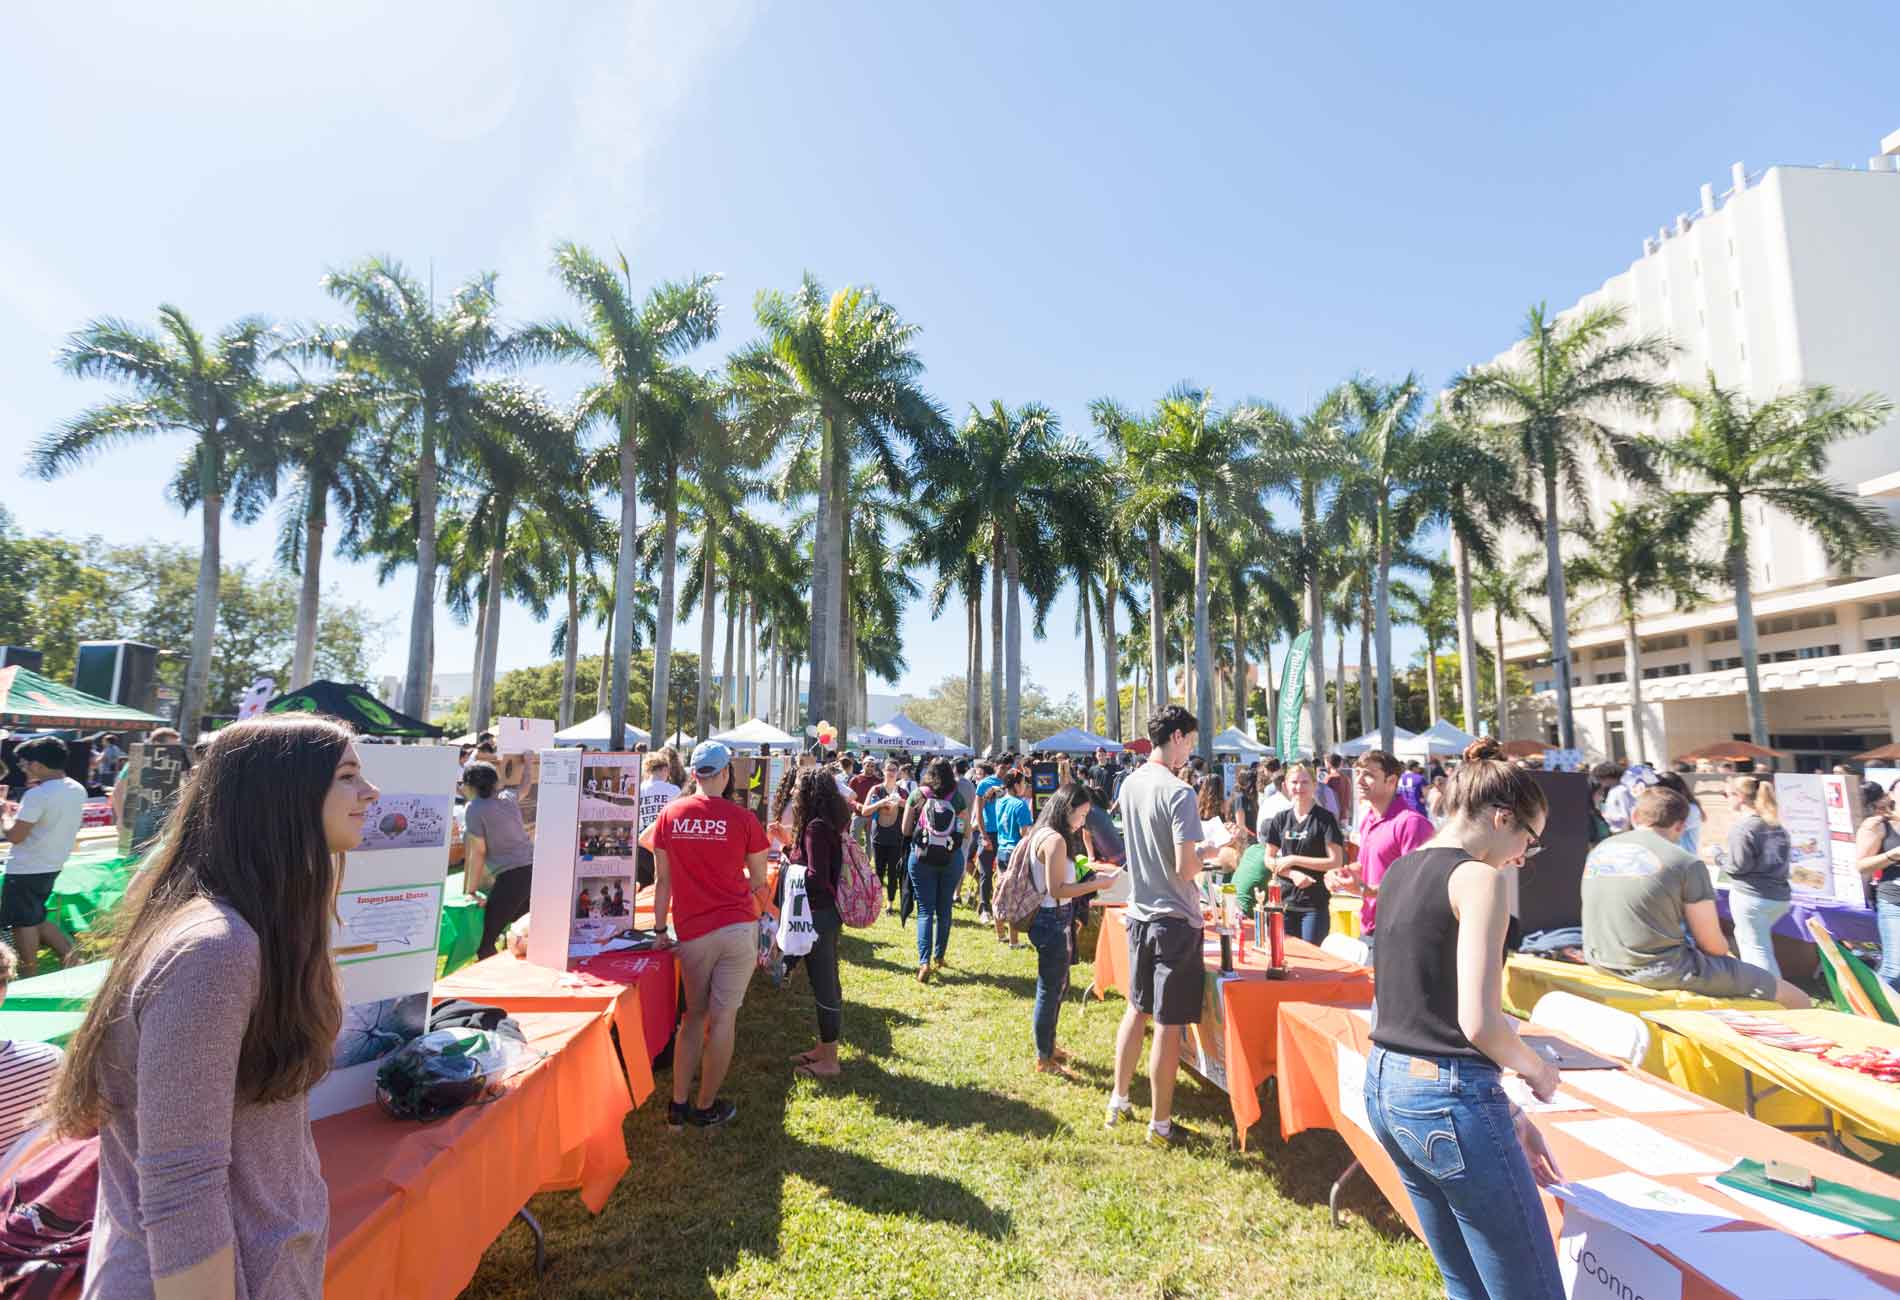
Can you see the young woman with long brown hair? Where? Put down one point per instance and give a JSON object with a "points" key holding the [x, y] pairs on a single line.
{"points": [[194, 1062], [1760, 854], [820, 819]]}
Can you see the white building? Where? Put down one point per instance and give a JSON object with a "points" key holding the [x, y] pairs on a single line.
{"points": [[1789, 278]]}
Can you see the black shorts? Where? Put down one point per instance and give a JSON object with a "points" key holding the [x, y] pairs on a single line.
{"points": [[23, 898], [1166, 973]]}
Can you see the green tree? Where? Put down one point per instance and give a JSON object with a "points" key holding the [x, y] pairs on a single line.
{"points": [[1433, 610], [181, 382], [1314, 453], [1774, 454], [1549, 404], [1504, 590]]}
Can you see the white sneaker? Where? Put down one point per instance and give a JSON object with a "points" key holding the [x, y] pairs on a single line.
{"points": [[1126, 1110]]}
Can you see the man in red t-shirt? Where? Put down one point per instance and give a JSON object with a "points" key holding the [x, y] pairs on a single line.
{"points": [[862, 784], [709, 865]]}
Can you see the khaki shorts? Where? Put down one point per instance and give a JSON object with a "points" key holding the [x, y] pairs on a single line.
{"points": [[715, 968]]}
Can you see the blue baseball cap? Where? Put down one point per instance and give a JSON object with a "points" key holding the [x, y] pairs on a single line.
{"points": [[710, 758]]}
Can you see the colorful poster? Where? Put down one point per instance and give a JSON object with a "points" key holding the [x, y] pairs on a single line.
{"points": [[378, 923], [1803, 800], [1843, 815], [1292, 696], [1204, 1046], [407, 821]]}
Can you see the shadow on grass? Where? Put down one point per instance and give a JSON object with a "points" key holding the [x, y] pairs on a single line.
{"points": [[919, 1101]]}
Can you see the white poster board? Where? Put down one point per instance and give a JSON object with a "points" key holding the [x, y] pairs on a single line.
{"points": [[389, 908], [1843, 815], [521, 735], [584, 853], [1802, 797]]}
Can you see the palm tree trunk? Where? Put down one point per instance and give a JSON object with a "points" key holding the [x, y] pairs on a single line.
{"points": [[1633, 675], [728, 688], [1112, 702], [303, 659], [475, 667], [1088, 655], [1315, 623], [601, 691], [823, 579], [708, 584], [1157, 624], [1382, 612], [491, 639], [1013, 648], [973, 678], [751, 659], [1467, 637], [657, 716], [1339, 686], [1745, 620], [570, 661], [1203, 638], [840, 608], [1367, 718], [1240, 664], [996, 638], [1431, 679], [415, 682], [1273, 694], [1559, 614], [1497, 666], [623, 574], [204, 618]]}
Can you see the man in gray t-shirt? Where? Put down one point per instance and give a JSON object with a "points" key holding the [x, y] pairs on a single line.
{"points": [[1166, 972], [1649, 912]]}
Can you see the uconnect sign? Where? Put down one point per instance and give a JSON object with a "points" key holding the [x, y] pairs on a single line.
{"points": [[1599, 1262]]}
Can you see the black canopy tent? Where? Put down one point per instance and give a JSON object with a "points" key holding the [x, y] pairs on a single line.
{"points": [[356, 706]]}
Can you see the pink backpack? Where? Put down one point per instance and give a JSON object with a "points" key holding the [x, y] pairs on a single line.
{"points": [[860, 893]]}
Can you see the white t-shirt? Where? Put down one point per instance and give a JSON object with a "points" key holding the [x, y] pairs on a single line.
{"points": [[55, 809], [26, 1076], [655, 793], [1272, 804]]}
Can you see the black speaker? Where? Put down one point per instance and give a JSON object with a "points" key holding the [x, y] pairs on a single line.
{"points": [[124, 672], [19, 656]]}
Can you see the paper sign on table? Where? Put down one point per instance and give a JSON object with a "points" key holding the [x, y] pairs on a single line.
{"points": [[1520, 1093], [1215, 832], [1352, 1087], [373, 923], [1790, 1219], [1768, 1265], [1601, 1262], [1644, 1208], [1627, 1092], [1643, 1149]]}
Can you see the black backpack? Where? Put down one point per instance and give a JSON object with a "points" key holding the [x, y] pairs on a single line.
{"points": [[936, 836]]}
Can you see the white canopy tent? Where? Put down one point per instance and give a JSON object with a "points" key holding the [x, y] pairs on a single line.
{"points": [[1235, 741], [1360, 744], [682, 741], [1440, 740], [754, 735], [597, 733], [1077, 741], [901, 733]]}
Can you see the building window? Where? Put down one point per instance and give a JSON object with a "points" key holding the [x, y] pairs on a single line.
{"points": [[1817, 652], [1673, 641], [1610, 679], [1889, 608], [1801, 622], [1718, 665], [1666, 670], [1883, 643], [1738, 297], [1606, 652], [1717, 635]]}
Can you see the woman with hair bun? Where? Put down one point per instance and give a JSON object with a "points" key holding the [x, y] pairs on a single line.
{"points": [[1759, 889], [1469, 1158]]}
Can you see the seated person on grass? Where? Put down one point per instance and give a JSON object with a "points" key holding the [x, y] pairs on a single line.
{"points": [[1649, 912]]}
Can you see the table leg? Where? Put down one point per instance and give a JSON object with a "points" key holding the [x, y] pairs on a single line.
{"points": [[540, 1241], [1339, 1185]]}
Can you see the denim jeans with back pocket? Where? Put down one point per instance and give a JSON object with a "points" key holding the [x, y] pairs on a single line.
{"points": [[1446, 1123]]}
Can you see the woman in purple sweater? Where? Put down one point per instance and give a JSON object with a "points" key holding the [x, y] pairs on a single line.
{"points": [[221, 1012]]}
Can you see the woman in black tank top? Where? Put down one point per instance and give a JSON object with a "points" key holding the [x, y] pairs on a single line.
{"points": [[1470, 1160]]}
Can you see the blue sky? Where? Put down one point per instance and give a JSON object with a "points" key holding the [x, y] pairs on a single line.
{"points": [[1072, 201]]}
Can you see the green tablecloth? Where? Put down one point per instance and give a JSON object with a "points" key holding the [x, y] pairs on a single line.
{"points": [[54, 1027], [88, 888], [61, 990], [460, 931]]}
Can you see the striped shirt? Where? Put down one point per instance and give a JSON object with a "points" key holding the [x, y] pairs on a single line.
{"points": [[26, 1076]]}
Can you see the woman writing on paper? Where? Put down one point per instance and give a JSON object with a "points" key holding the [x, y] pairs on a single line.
{"points": [[194, 1062], [1470, 1159]]}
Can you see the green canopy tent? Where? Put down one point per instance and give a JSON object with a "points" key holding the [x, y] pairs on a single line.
{"points": [[356, 706], [30, 700]]}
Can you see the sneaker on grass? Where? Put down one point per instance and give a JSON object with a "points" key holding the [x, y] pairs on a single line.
{"points": [[676, 1114], [720, 1112], [1118, 1111]]}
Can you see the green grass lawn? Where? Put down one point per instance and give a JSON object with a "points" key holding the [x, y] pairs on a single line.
{"points": [[940, 1166]]}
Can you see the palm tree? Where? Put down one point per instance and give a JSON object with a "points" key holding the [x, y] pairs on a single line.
{"points": [[1549, 403], [585, 594], [1434, 612], [1502, 591], [1313, 452], [1467, 484], [628, 339], [1152, 504], [1775, 454], [1641, 552], [840, 372], [1351, 563], [182, 382], [425, 360]]}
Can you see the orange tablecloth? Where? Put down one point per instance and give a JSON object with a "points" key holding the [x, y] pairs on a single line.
{"points": [[1250, 1002], [1310, 1038], [414, 1206], [518, 986]]}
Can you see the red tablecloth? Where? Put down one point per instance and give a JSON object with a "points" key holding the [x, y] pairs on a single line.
{"points": [[1310, 1041], [414, 1206], [640, 989], [1249, 1006]]}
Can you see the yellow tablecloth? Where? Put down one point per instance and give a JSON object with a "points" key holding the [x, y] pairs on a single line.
{"points": [[1704, 1049], [1345, 910]]}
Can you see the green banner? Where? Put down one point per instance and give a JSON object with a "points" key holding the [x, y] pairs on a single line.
{"points": [[1292, 696]]}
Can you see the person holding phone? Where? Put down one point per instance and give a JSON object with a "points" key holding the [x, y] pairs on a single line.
{"points": [[1469, 1157]]}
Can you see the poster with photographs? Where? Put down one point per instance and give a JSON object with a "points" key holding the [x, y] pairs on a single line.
{"points": [[1803, 800], [389, 911], [586, 837]]}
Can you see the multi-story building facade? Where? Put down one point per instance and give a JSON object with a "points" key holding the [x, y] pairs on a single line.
{"points": [[1790, 278]]}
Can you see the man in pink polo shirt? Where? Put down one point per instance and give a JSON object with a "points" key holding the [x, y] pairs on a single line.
{"points": [[1388, 830]]}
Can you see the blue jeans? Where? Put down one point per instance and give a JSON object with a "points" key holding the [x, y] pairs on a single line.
{"points": [[1887, 916], [1754, 917], [1311, 926], [934, 889], [1451, 1137], [1049, 935]]}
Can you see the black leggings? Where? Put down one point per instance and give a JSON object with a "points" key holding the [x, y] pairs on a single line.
{"points": [[821, 965], [507, 903], [888, 857]]}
